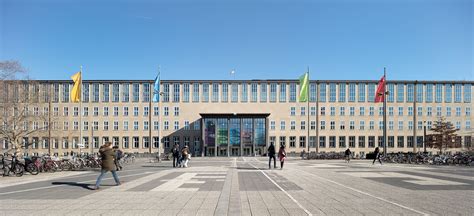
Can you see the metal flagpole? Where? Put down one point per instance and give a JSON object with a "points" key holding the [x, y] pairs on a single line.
{"points": [[308, 125], [317, 117], [80, 112], [159, 114], [149, 120], [385, 113]]}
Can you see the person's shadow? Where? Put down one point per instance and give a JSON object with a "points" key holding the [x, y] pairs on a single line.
{"points": [[83, 185]]}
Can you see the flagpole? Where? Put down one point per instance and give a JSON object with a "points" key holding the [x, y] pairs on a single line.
{"points": [[317, 117], [159, 114], [150, 98], [308, 125], [80, 112], [385, 113]]}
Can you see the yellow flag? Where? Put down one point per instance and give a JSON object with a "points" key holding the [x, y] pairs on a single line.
{"points": [[76, 89]]}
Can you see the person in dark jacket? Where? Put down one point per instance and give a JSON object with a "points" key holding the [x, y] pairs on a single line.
{"points": [[118, 156], [175, 152], [271, 154], [347, 155], [282, 155], [108, 157], [377, 156]]}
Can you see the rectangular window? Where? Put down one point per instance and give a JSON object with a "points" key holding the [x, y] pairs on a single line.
{"points": [[166, 93], [146, 111], [196, 92], [146, 92], [125, 125], [115, 92], [302, 141], [361, 125], [333, 111], [292, 141], [371, 92], [439, 93], [448, 94], [400, 111], [186, 92], [282, 125], [125, 92], [253, 92], [303, 111], [361, 92], [313, 125], [263, 92], [176, 111], [371, 141], [429, 93], [400, 92], [400, 141], [467, 93], [342, 111], [419, 111], [429, 111], [282, 140], [156, 125], [419, 93], [342, 92], [176, 92], [105, 92], [313, 111], [468, 111], [391, 92], [323, 125], [352, 92], [332, 92], [361, 142], [292, 125], [225, 92], [352, 111], [332, 142], [65, 93], [322, 92], [282, 92], [322, 142], [410, 92], [458, 111], [245, 92], [272, 125], [293, 92], [438, 111], [215, 92], [351, 125], [136, 142], [312, 92], [235, 92], [323, 111], [136, 92], [457, 93], [205, 92], [85, 92], [361, 111], [342, 142], [448, 111], [135, 125], [303, 125]]}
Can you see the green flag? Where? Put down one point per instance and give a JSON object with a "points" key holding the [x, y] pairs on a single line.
{"points": [[304, 86]]}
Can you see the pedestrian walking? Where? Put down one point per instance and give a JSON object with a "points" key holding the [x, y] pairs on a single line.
{"points": [[377, 156], [271, 154], [118, 157], [185, 155], [175, 152], [282, 155], [347, 155], [108, 157]]}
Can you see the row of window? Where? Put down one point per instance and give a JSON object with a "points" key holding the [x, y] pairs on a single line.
{"points": [[361, 111], [293, 141], [352, 125], [360, 141], [245, 92], [361, 126], [94, 125], [351, 111]]}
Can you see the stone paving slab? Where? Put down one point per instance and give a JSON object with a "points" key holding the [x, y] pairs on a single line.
{"points": [[245, 186]]}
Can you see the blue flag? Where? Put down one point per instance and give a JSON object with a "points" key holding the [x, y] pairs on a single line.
{"points": [[156, 89]]}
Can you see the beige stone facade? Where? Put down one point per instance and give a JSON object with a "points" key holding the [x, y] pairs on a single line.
{"points": [[344, 115]]}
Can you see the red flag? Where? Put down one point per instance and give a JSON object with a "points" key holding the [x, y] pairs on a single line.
{"points": [[379, 95]]}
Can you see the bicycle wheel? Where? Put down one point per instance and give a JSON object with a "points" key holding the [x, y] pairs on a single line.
{"points": [[31, 168], [18, 170]]}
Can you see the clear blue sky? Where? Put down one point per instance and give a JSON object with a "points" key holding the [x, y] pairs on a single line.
{"points": [[262, 39]]}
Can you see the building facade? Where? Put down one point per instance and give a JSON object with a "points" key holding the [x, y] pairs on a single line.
{"points": [[242, 117]]}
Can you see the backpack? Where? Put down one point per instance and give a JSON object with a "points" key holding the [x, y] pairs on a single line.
{"points": [[119, 154]]}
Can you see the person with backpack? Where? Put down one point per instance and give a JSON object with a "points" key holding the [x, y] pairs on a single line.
{"points": [[118, 157], [175, 152], [271, 154]]}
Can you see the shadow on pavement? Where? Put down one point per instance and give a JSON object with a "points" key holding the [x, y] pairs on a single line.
{"points": [[83, 185]]}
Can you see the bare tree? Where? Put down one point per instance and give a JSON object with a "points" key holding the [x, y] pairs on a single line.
{"points": [[444, 135], [22, 113], [9, 70]]}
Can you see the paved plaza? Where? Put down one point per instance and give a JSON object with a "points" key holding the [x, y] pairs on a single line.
{"points": [[245, 186]]}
